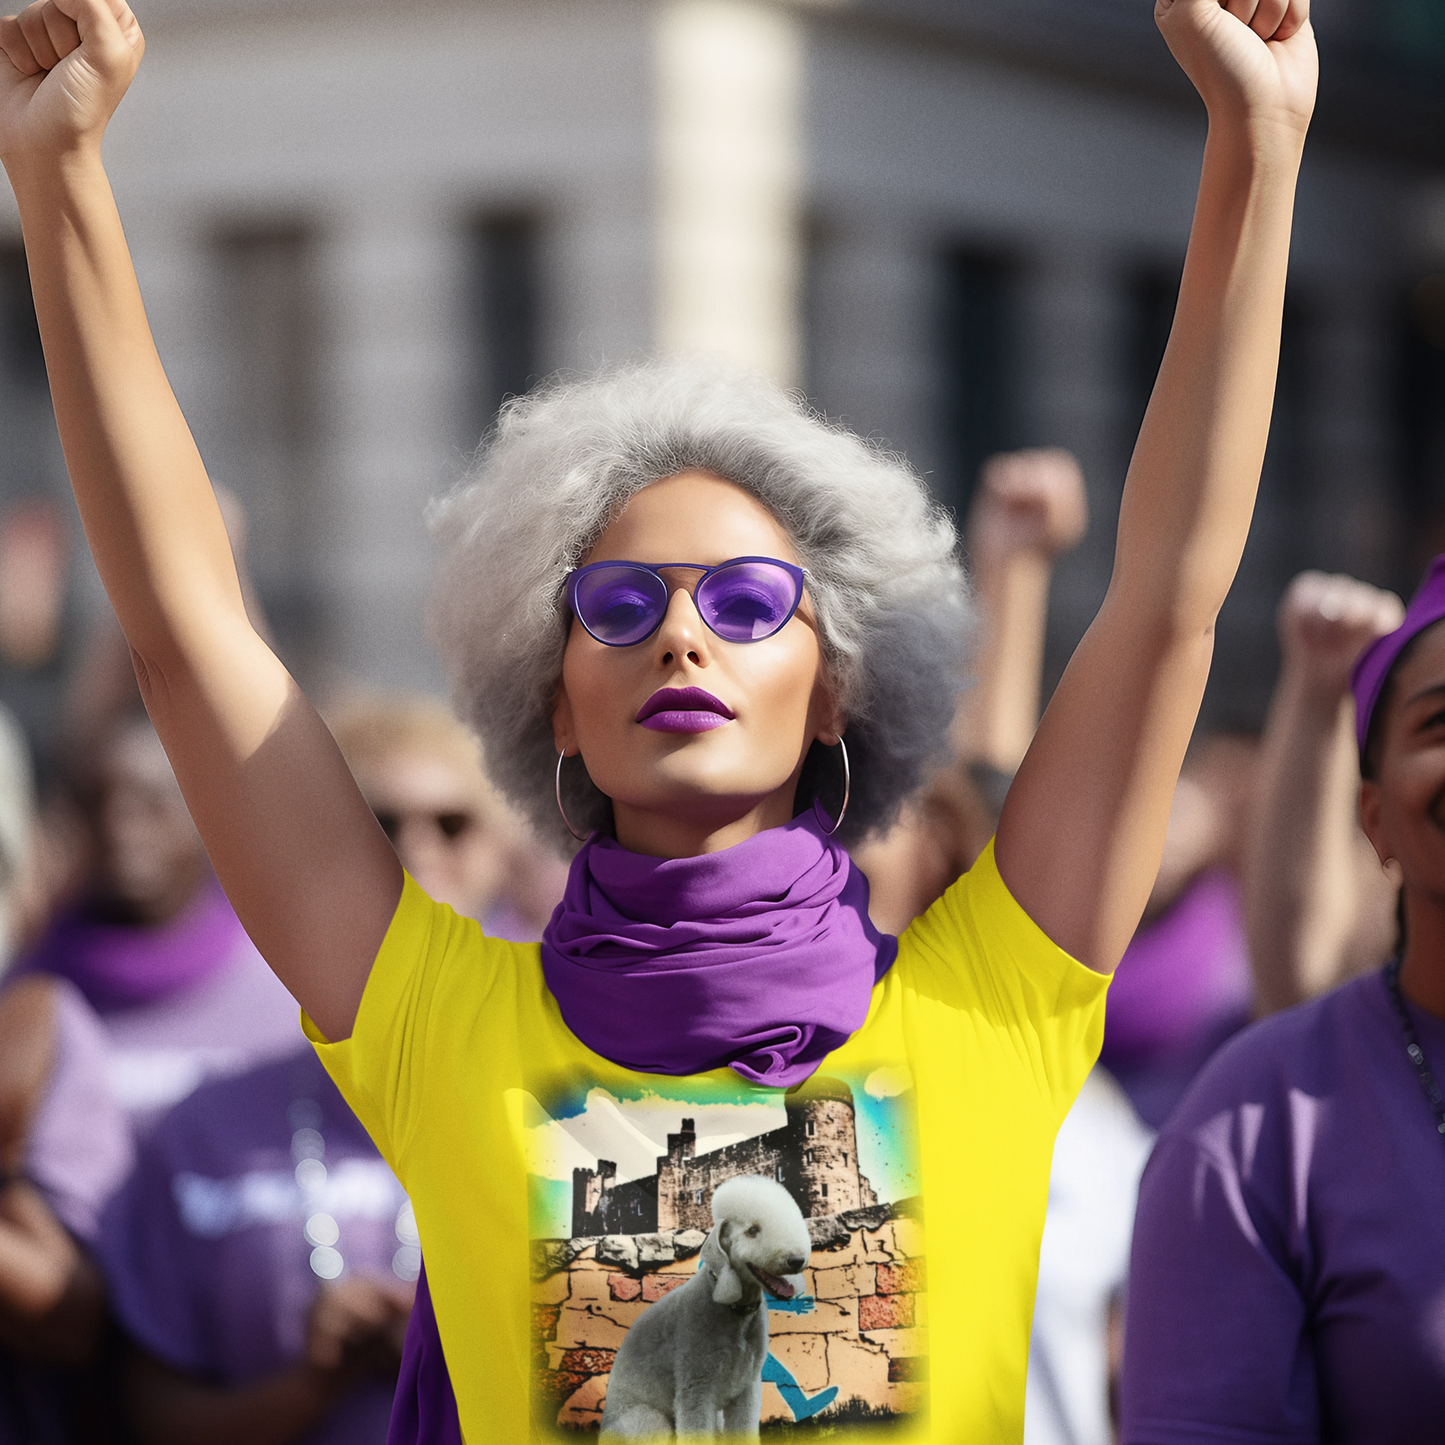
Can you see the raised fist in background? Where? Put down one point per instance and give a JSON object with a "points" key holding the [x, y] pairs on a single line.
{"points": [[1326, 620], [1028, 501]]}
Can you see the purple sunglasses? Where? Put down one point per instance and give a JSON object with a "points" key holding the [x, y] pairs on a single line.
{"points": [[744, 599]]}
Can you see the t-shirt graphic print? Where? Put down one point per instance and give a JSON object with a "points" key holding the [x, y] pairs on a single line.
{"points": [[563, 1201], [709, 1256]]}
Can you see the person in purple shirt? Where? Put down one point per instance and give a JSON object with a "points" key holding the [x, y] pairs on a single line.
{"points": [[153, 944], [1288, 1274], [261, 1261]]}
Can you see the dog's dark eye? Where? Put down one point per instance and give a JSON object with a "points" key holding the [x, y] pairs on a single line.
{"points": [[756, 1229]]}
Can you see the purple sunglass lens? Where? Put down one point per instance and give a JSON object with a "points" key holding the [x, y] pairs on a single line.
{"points": [[747, 601], [620, 605]]}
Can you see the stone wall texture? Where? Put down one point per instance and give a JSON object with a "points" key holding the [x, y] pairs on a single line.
{"points": [[865, 1332]]}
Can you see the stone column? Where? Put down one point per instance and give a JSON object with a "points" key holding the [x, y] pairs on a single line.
{"points": [[1353, 510], [393, 373], [728, 155]]}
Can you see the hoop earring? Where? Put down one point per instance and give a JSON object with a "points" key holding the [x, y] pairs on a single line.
{"points": [[580, 837], [818, 812]]}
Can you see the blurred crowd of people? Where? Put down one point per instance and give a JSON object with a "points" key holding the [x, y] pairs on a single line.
{"points": [[197, 1239]]}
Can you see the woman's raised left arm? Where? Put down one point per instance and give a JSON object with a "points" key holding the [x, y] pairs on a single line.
{"points": [[1082, 831]]}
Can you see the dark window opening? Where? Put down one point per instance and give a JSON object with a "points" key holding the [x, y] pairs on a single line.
{"points": [[505, 311], [1153, 293], [269, 348], [23, 360], [977, 321], [1420, 409]]}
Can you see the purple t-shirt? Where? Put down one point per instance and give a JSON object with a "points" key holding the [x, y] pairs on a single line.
{"points": [[181, 1002], [1288, 1274], [80, 1149], [1181, 989], [206, 1248], [238, 1017]]}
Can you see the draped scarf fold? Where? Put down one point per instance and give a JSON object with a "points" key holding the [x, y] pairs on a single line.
{"points": [[760, 957]]}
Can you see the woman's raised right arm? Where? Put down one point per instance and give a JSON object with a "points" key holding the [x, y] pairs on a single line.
{"points": [[306, 866]]}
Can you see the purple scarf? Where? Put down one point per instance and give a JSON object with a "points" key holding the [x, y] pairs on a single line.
{"points": [[761, 957], [118, 966]]}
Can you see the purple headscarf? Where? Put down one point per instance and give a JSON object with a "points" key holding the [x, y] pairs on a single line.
{"points": [[1426, 608]]}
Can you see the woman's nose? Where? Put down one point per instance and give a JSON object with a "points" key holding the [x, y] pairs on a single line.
{"points": [[683, 632]]}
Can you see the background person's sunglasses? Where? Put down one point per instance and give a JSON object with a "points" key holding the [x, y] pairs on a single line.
{"points": [[744, 599], [450, 824]]}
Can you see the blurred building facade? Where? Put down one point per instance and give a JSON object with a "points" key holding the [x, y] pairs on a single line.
{"points": [[958, 225]]}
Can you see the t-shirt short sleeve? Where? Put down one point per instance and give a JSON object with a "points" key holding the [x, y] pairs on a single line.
{"points": [[430, 956], [976, 951]]}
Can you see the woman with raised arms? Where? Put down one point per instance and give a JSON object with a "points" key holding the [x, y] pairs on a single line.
{"points": [[724, 637]]}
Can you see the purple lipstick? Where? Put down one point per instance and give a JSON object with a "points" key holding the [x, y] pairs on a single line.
{"points": [[683, 710]]}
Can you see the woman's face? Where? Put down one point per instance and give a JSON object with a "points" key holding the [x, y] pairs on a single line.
{"points": [[1403, 807], [678, 794], [151, 860], [431, 812]]}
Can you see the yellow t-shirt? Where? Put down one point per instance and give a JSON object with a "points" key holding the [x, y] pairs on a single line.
{"points": [[559, 1196]]}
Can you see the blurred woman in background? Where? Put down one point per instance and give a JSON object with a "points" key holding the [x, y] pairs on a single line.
{"points": [[420, 770], [1288, 1267], [153, 944]]}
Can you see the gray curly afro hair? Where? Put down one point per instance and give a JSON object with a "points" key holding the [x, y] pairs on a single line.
{"points": [[892, 604]]}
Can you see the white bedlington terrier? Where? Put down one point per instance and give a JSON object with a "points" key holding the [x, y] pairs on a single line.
{"points": [[692, 1365]]}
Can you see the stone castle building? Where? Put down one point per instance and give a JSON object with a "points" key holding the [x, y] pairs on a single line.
{"points": [[814, 1156]]}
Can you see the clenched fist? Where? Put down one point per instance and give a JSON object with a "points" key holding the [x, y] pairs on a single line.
{"points": [[1028, 501], [64, 66], [1326, 621], [1249, 59]]}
